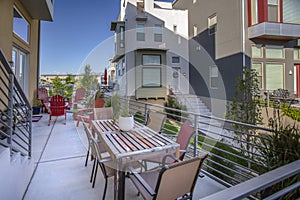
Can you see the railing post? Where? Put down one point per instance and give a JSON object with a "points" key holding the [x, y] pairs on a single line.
{"points": [[196, 135], [10, 111], [268, 99], [30, 132], [146, 114]]}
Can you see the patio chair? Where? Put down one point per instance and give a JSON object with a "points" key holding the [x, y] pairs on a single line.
{"points": [[89, 136], [57, 107], [42, 94], [155, 121], [169, 182], [89, 114], [103, 113], [79, 94], [183, 139], [106, 165]]}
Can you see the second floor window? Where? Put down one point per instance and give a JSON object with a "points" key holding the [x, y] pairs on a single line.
{"points": [[21, 26], [254, 12], [212, 24], [158, 32], [140, 32], [273, 11]]}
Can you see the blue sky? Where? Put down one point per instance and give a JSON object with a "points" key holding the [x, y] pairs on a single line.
{"points": [[80, 34]]}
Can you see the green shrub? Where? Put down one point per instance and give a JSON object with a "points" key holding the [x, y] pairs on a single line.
{"points": [[293, 113], [172, 114]]}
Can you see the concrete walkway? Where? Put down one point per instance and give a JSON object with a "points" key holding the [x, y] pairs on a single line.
{"points": [[59, 154]]}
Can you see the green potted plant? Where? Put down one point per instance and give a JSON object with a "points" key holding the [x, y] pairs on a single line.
{"points": [[36, 107], [121, 113], [99, 100]]}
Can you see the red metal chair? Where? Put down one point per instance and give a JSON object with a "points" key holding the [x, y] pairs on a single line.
{"points": [[42, 94], [57, 107]]}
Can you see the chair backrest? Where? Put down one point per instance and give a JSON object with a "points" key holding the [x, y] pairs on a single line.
{"points": [[87, 131], [184, 137], [57, 105], [90, 137], [103, 113], [155, 121], [42, 94], [178, 179], [79, 94]]}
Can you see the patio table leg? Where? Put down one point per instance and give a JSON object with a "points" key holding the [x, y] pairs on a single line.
{"points": [[119, 184]]}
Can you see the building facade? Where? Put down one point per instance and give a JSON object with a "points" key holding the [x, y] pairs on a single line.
{"points": [[20, 38], [259, 34], [151, 49]]}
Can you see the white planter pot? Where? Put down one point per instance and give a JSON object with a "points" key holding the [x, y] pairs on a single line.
{"points": [[126, 123]]}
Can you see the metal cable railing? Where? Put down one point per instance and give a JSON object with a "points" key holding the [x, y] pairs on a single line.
{"points": [[15, 112], [234, 151]]}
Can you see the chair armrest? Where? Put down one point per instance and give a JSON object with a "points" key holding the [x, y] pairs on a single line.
{"points": [[105, 160], [142, 181], [171, 156], [84, 110]]}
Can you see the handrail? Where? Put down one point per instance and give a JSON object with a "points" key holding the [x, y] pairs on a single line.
{"points": [[234, 156], [15, 112], [259, 183]]}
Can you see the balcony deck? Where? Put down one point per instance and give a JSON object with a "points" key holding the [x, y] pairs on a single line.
{"points": [[59, 154]]}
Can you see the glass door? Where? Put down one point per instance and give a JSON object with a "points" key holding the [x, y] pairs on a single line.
{"points": [[20, 67]]}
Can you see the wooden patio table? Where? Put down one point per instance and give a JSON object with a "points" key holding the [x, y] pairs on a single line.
{"points": [[126, 147]]}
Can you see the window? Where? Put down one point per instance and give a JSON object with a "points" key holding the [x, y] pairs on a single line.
{"points": [[151, 60], [274, 52], [21, 26], [274, 76], [158, 32], [21, 67], [257, 51], [212, 24], [140, 32], [213, 75], [254, 12], [258, 68], [296, 54], [151, 77], [175, 59], [195, 29], [122, 30], [291, 11], [273, 11]]}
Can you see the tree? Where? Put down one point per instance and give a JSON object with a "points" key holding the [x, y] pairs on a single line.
{"points": [[68, 87], [88, 81], [58, 86], [245, 107]]}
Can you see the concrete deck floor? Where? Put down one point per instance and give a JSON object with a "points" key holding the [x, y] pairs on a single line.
{"points": [[59, 154]]}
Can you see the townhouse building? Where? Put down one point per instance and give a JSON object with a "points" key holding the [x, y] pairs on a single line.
{"points": [[20, 38], [151, 49], [260, 34]]}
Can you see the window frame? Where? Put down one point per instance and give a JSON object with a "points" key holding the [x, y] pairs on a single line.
{"points": [[268, 47], [159, 76], [26, 40], [261, 74], [283, 74], [173, 60], [257, 46], [140, 31], [151, 64], [158, 31], [212, 22], [211, 76]]}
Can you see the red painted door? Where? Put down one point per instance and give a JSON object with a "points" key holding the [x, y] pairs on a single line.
{"points": [[297, 80]]}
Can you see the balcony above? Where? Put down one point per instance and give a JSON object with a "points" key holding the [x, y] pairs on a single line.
{"points": [[276, 31], [41, 9]]}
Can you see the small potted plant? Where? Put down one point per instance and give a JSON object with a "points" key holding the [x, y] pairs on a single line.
{"points": [[36, 107], [99, 100], [121, 113]]}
